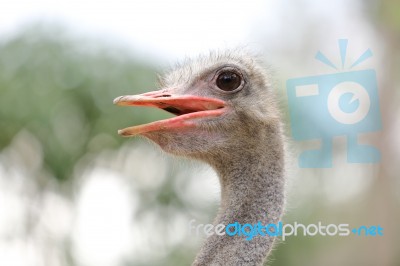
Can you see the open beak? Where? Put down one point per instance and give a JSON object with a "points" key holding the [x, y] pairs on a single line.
{"points": [[187, 108]]}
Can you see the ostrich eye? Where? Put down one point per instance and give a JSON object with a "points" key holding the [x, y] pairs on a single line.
{"points": [[228, 81]]}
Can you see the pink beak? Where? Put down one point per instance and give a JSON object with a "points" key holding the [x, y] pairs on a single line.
{"points": [[188, 108]]}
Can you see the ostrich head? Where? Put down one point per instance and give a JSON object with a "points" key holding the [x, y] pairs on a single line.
{"points": [[221, 101], [226, 115]]}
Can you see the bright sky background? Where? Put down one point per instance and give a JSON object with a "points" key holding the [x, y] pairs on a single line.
{"points": [[162, 28], [169, 30]]}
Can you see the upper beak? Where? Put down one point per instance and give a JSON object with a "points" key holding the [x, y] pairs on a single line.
{"points": [[186, 107]]}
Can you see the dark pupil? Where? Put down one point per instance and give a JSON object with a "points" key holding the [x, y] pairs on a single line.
{"points": [[228, 81]]}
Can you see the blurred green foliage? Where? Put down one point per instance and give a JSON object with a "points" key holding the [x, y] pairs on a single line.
{"points": [[60, 89]]}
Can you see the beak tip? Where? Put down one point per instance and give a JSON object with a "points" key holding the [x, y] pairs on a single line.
{"points": [[117, 100], [124, 133]]}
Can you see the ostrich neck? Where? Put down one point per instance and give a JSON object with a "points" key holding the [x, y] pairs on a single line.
{"points": [[252, 191]]}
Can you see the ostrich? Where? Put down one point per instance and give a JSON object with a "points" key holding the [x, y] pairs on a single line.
{"points": [[226, 116]]}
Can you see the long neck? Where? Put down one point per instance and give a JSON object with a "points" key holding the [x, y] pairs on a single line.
{"points": [[252, 185]]}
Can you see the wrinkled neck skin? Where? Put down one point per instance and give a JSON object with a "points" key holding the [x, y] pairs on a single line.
{"points": [[252, 190]]}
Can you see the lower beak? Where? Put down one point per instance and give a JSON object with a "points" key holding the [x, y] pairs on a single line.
{"points": [[188, 108]]}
